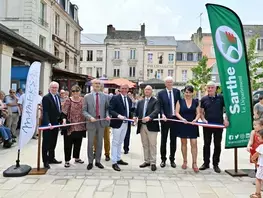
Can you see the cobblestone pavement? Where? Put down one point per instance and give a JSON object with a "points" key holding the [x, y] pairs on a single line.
{"points": [[131, 182]]}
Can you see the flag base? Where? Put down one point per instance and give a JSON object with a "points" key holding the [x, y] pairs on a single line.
{"points": [[236, 173], [36, 171], [17, 171]]}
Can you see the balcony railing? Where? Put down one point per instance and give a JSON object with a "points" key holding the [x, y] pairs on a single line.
{"points": [[42, 22]]}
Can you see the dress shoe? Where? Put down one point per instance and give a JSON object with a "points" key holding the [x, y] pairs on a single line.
{"points": [[46, 165], [153, 167], [126, 152], [162, 164], [144, 165], [107, 158], [204, 167], [99, 165], [54, 161], [217, 169], [173, 165], [121, 162], [116, 167], [90, 166]]}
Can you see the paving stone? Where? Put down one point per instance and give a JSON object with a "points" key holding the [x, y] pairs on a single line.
{"points": [[60, 181], [86, 191], [30, 181], [138, 195], [169, 187], [106, 185], [154, 191], [73, 185], [103, 195], [122, 182], [3, 180], [121, 192], [153, 183], [137, 186]]}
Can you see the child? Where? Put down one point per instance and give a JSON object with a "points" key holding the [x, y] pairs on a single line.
{"points": [[258, 157], [254, 140]]}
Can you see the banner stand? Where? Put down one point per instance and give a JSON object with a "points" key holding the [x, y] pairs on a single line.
{"points": [[236, 172], [38, 170], [17, 170]]}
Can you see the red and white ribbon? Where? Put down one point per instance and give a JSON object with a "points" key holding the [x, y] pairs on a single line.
{"points": [[203, 124]]}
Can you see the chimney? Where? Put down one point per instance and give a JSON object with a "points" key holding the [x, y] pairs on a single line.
{"points": [[143, 30], [109, 29]]}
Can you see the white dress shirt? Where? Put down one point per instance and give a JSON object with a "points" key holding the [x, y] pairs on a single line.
{"points": [[173, 105]]}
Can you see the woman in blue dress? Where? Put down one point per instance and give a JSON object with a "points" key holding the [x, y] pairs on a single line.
{"points": [[188, 109]]}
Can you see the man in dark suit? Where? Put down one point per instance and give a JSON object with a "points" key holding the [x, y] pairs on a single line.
{"points": [[51, 114], [168, 99], [120, 107], [147, 110]]}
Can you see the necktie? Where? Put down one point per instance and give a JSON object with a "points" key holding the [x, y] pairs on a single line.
{"points": [[57, 103], [145, 107], [170, 102], [97, 105], [125, 105]]}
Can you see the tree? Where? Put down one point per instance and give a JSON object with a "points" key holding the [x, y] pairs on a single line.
{"points": [[254, 64], [201, 75]]}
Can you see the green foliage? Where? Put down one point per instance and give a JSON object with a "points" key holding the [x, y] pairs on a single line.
{"points": [[201, 74], [253, 65]]}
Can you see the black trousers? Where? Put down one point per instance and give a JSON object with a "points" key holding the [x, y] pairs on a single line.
{"points": [[74, 140], [49, 143], [127, 138], [165, 127], [217, 135]]}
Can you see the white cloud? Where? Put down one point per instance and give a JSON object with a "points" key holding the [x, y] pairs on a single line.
{"points": [[159, 19]]}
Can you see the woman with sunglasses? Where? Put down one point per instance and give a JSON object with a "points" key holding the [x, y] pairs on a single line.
{"points": [[72, 112]]}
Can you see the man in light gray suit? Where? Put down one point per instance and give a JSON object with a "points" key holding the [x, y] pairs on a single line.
{"points": [[95, 107]]}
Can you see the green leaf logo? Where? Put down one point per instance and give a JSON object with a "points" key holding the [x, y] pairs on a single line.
{"points": [[229, 44]]}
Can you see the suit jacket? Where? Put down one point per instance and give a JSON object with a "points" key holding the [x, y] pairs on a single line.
{"points": [[153, 109], [51, 113], [117, 108], [89, 109], [164, 101]]}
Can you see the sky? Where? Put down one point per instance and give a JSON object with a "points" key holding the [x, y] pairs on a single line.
{"points": [[178, 18]]}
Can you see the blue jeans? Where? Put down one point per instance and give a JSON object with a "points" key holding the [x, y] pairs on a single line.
{"points": [[5, 132]]}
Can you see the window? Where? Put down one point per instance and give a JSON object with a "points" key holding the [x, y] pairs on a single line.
{"points": [[89, 71], [189, 56], [159, 73], [67, 32], [184, 75], [150, 57], [171, 57], [42, 41], [195, 58], [98, 72], [132, 53], [42, 13], [184, 56], [170, 72], [76, 39], [66, 61], [149, 72], [160, 57], [117, 54], [89, 55], [81, 55], [56, 51], [75, 65], [132, 71], [99, 56], [199, 56], [213, 78], [179, 56], [57, 24], [116, 73], [260, 44]]}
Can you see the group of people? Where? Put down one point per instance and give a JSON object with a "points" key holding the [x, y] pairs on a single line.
{"points": [[101, 111]]}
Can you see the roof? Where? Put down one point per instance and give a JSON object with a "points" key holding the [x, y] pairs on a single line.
{"points": [[71, 74], [27, 47], [125, 34], [161, 40], [252, 30], [92, 39], [187, 46]]}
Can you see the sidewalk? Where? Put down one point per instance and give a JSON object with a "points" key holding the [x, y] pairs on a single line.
{"points": [[131, 182]]}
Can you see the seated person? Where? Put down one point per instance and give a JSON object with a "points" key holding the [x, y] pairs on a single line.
{"points": [[5, 134]]}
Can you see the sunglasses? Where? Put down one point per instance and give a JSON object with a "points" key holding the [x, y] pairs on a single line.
{"points": [[12, 92], [73, 91]]}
